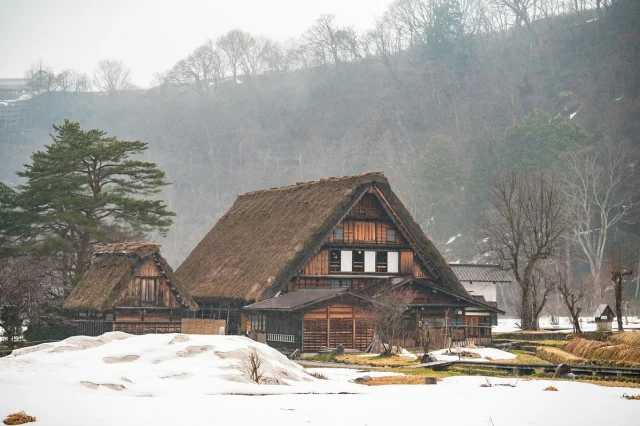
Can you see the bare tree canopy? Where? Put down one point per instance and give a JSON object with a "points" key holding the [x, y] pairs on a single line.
{"points": [[523, 229], [111, 76], [602, 191], [387, 317]]}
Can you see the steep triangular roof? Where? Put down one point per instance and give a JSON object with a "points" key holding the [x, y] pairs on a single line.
{"points": [[114, 267], [268, 235]]}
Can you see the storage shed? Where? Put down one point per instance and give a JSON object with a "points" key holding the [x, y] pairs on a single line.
{"points": [[604, 317]]}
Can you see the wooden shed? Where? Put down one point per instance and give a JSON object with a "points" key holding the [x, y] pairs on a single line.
{"points": [[131, 288], [604, 318]]}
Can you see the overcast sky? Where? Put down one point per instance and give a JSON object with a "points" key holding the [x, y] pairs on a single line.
{"points": [[150, 35]]}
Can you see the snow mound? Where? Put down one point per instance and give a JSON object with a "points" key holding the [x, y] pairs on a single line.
{"points": [[150, 365]]}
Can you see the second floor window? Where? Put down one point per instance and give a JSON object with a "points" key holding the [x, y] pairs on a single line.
{"points": [[334, 261], [358, 261], [338, 233], [381, 261], [341, 283]]}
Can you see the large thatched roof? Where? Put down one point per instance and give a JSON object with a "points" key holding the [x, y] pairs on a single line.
{"points": [[114, 267], [268, 235]]}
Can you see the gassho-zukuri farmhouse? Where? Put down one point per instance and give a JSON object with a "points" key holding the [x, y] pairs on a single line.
{"points": [[296, 267]]}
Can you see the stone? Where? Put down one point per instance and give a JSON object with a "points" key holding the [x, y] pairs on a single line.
{"points": [[340, 350], [427, 358], [562, 370]]}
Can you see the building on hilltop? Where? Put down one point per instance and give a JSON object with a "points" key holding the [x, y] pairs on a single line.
{"points": [[296, 266], [131, 288]]}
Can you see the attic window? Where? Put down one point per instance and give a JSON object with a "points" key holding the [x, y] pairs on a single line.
{"points": [[391, 235], [147, 291], [338, 233]]}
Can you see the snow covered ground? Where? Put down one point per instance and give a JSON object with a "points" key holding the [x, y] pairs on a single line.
{"points": [[564, 324], [494, 354], [119, 379]]}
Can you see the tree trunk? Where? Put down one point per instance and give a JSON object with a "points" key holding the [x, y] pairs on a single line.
{"points": [[527, 309], [618, 290]]}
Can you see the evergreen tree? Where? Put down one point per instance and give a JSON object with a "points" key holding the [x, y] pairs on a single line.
{"points": [[537, 141], [80, 189]]}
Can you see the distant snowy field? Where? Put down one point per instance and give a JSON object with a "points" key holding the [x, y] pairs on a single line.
{"points": [[118, 379], [564, 324]]}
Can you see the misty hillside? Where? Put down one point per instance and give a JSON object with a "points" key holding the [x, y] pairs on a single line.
{"points": [[432, 120]]}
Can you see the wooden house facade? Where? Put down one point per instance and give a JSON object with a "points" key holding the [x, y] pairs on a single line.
{"points": [[131, 288], [349, 238]]}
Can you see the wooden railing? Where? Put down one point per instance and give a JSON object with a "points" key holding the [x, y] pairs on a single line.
{"points": [[283, 338]]}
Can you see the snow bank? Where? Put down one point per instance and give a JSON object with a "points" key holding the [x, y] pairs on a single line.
{"points": [[150, 365], [494, 354]]}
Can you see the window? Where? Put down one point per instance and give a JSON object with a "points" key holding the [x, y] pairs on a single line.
{"points": [[381, 261], [369, 261], [338, 233], [341, 283], [334, 261], [258, 323], [391, 235], [346, 261], [147, 291], [358, 261]]}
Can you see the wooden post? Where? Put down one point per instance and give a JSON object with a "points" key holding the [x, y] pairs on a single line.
{"points": [[353, 324], [328, 326]]}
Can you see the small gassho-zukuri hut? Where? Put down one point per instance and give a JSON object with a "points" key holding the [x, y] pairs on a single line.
{"points": [[131, 288], [297, 267], [604, 318]]}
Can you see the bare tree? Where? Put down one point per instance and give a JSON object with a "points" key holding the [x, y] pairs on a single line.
{"points": [[253, 51], [252, 366], [621, 265], [325, 40], [387, 317], [201, 70], [22, 286], [231, 45], [40, 78], [602, 191], [111, 76], [523, 229], [572, 291]]}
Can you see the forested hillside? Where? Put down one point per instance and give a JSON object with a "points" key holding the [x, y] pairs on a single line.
{"points": [[437, 117]]}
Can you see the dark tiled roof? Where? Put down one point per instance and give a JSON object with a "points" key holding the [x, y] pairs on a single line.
{"points": [[480, 273], [296, 299]]}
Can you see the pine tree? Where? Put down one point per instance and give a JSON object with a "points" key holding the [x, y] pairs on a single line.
{"points": [[84, 186]]}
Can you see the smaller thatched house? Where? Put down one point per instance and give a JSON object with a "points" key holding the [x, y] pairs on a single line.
{"points": [[131, 288]]}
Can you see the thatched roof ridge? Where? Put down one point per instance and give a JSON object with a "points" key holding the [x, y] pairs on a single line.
{"points": [[268, 235], [114, 267], [139, 249]]}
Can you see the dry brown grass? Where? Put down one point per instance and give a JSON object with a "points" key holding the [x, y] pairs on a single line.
{"points": [[558, 356], [18, 419], [396, 380], [377, 361], [620, 355], [635, 397], [631, 338], [522, 358], [551, 388]]}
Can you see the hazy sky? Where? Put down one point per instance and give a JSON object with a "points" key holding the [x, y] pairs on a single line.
{"points": [[150, 35]]}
